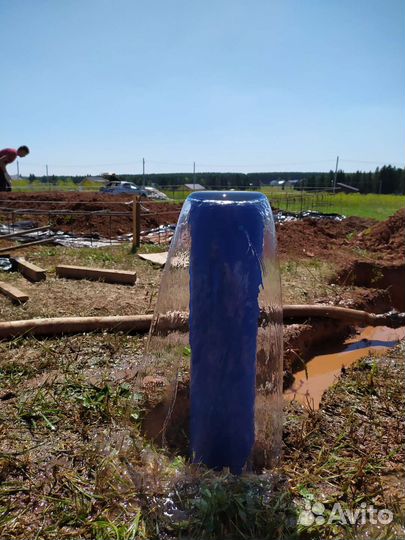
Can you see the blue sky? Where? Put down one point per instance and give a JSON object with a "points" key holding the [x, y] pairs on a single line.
{"points": [[259, 85]]}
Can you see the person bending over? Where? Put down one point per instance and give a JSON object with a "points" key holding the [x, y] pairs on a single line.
{"points": [[7, 156]]}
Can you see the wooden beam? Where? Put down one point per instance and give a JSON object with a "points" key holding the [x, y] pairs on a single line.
{"points": [[12, 292], [23, 232], [29, 270], [99, 274], [27, 244]]}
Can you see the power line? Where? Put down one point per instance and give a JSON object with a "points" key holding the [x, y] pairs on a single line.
{"points": [[59, 165], [255, 167]]}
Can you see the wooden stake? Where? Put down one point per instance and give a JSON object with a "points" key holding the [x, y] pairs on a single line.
{"points": [[136, 223]]}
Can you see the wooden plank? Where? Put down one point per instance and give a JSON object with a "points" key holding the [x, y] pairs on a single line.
{"points": [[12, 292], [136, 223], [155, 258], [22, 232], [27, 244], [29, 270], [99, 274]]}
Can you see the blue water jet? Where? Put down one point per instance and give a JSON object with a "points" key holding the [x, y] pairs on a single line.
{"points": [[227, 231]]}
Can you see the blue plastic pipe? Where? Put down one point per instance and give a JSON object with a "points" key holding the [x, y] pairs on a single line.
{"points": [[225, 279]]}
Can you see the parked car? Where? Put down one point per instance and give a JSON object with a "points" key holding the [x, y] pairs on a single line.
{"points": [[123, 188], [153, 193]]}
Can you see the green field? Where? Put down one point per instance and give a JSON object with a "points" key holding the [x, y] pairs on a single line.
{"points": [[374, 206], [355, 204], [25, 185]]}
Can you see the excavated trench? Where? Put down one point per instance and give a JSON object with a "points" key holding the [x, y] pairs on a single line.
{"points": [[322, 370], [316, 351], [377, 275]]}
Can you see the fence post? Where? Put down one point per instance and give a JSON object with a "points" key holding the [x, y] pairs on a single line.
{"points": [[136, 223]]}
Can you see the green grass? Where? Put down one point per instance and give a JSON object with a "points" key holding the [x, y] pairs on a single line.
{"points": [[74, 463], [369, 206], [25, 185], [373, 206]]}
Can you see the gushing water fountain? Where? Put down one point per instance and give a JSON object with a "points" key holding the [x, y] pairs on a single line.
{"points": [[218, 323]]}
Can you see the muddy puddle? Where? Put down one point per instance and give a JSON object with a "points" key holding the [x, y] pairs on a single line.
{"points": [[323, 370]]}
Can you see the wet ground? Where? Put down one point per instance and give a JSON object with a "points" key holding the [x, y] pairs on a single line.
{"points": [[74, 463], [322, 371]]}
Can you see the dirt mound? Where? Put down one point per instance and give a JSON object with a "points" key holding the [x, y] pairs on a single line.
{"points": [[110, 216], [85, 213], [318, 237], [387, 237]]}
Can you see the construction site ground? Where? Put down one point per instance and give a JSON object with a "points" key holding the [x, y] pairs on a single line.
{"points": [[82, 208], [73, 460]]}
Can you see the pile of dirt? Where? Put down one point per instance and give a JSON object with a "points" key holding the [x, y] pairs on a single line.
{"points": [[110, 216], [85, 213], [387, 237], [318, 237]]}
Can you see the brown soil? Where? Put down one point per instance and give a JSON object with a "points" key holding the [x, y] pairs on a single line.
{"points": [[332, 240], [319, 238], [166, 425], [386, 238], [41, 208], [377, 275], [93, 446]]}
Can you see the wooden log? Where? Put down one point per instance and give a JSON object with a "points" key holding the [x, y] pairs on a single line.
{"points": [[23, 232], [12, 292], [27, 244], [29, 270], [125, 277]]}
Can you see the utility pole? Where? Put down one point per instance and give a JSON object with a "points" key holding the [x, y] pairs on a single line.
{"points": [[47, 177], [18, 169], [193, 175], [334, 178], [143, 172]]}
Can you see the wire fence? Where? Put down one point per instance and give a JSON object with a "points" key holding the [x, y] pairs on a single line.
{"points": [[93, 224], [141, 219]]}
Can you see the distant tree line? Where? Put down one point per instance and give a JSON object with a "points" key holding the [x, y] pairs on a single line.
{"points": [[386, 179]]}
